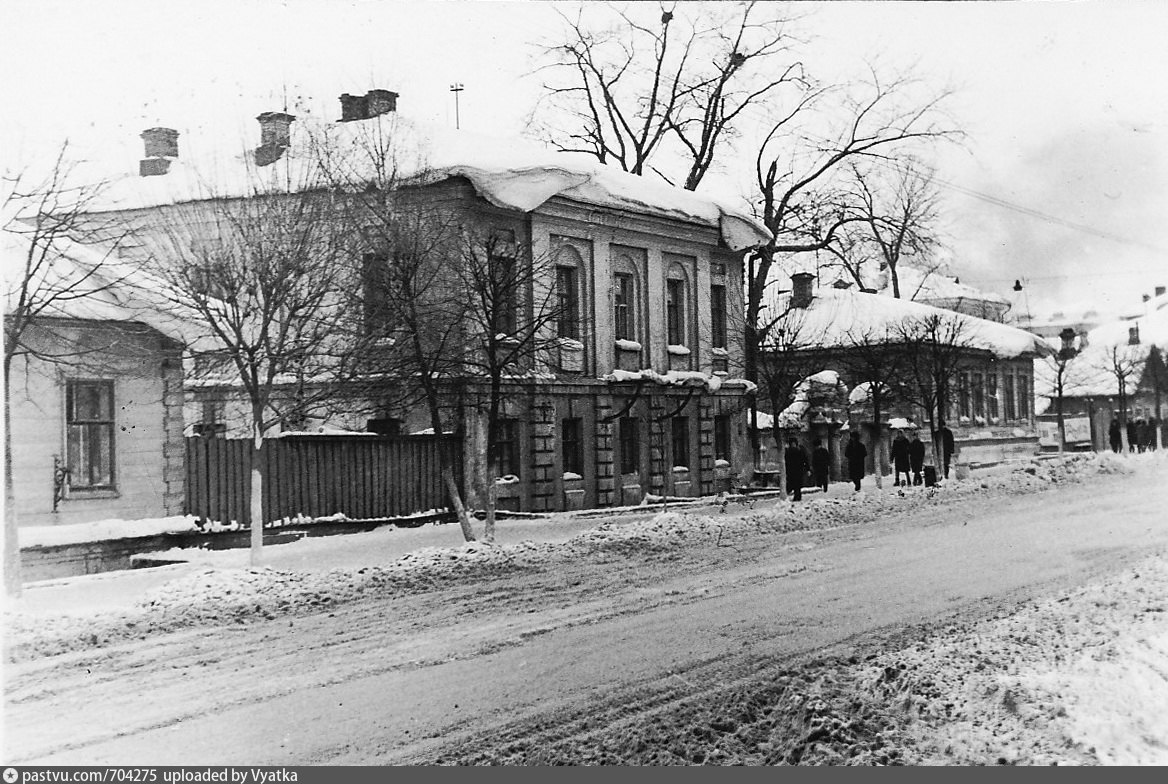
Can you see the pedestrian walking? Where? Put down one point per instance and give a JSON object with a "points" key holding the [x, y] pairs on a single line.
{"points": [[900, 459], [795, 461], [856, 453], [916, 457], [947, 445], [1132, 436], [1145, 429], [820, 465], [1114, 436]]}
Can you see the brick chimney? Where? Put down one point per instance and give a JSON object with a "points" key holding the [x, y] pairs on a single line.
{"points": [[354, 107], [161, 145], [380, 102], [275, 137], [275, 129], [801, 289], [1133, 335], [372, 104]]}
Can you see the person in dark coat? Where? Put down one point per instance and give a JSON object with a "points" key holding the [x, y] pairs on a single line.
{"points": [[795, 461], [820, 464], [916, 456], [1114, 436], [856, 453], [1133, 436], [947, 445], [1145, 432], [900, 460]]}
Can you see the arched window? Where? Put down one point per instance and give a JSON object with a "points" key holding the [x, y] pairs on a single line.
{"points": [[626, 294], [677, 316]]}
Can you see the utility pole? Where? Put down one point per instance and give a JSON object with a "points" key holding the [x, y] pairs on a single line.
{"points": [[456, 88]]}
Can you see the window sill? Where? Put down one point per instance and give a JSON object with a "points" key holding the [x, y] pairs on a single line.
{"points": [[95, 494]]}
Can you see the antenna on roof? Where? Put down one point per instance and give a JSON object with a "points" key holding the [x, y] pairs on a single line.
{"points": [[456, 88]]}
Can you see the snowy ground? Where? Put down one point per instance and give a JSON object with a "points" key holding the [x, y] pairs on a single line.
{"points": [[1051, 681]]}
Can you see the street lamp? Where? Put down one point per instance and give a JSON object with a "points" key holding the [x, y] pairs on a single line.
{"points": [[1066, 353]]}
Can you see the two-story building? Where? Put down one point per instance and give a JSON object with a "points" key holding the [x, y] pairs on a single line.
{"points": [[638, 397]]}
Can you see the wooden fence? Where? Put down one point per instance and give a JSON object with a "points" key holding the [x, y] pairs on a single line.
{"points": [[362, 477]]}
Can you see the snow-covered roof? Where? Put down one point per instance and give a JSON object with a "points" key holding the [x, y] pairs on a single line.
{"points": [[835, 317], [511, 173], [1088, 374], [95, 282], [924, 286]]}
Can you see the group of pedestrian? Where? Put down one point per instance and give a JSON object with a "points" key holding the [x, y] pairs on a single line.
{"points": [[908, 458], [1141, 435]]}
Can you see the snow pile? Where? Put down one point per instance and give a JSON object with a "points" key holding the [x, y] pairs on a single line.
{"points": [[673, 378], [79, 533], [226, 596], [1077, 678]]}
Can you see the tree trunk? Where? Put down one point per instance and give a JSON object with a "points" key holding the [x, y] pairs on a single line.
{"points": [[12, 581], [456, 502], [878, 443], [1062, 425], [256, 501]]}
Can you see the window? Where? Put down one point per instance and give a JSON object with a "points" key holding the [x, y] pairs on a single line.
{"points": [[680, 432], [675, 311], [963, 395], [568, 303], [718, 316], [212, 422], [505, 282], [1023, 397], [624, 306], [387, 426], [629, 433], [722, 437], [379, 316], [1008, 385], [507, 446], [89, 409], [978, 396], [992, 394], [571, 434]]}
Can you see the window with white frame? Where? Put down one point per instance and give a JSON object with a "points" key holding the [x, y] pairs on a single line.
{"points": [[626, 295], [89, 417]]}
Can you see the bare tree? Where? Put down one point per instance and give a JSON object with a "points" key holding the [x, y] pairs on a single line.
{"points": [[875, 357], [896, 212], [1124, 363], [802, 198], [409, 289], [520, 313], [936, 346], [45, 215], [677, 86], [266, 275], [792, 353]]}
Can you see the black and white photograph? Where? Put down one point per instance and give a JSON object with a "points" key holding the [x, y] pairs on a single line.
{"points": [[568, 382]]}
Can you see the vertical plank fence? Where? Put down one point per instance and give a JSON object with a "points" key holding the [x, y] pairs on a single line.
{"points": [[361, 477]]}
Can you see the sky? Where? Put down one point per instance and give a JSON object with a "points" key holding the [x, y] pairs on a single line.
{"points": [[1061, 183]]}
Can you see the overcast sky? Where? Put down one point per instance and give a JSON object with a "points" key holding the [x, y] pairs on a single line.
{"points": [[1065, 103]]}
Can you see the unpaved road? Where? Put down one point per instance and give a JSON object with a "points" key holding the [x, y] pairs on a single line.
{"points": [[548, 654]]}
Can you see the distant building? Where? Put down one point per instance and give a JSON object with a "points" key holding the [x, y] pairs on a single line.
{"points": [[988, 403]]}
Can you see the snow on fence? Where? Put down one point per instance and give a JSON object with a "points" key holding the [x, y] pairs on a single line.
{"points": [[361, 477]]}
